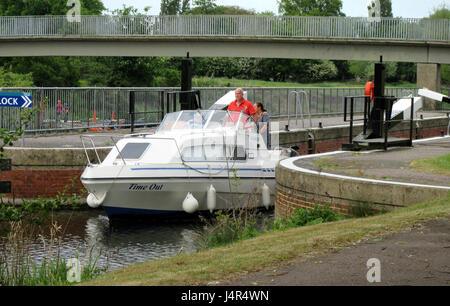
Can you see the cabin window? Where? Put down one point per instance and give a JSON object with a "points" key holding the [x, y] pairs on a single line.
{"points": [[133, 150], [202, 153], [193, 154]]}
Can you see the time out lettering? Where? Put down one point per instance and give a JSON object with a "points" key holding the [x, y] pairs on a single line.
{"points": [[152, 187]]}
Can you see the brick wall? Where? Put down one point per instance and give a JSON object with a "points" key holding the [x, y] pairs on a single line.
{"points": [[288, 200], [29, 184]]}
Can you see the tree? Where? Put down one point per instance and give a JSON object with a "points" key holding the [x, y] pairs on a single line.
{"points": [[440, 12], [310, 7], [131, 71], [47, 71], [170, 7], [129, 11], [47, 7], [220, 10], [205, 6], [386, 8], [11, 79], [185, 6]]}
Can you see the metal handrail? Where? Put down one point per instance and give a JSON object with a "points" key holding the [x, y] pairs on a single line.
{"points": [[93, 146], [90, 138], [299, 101], [329, 27]]}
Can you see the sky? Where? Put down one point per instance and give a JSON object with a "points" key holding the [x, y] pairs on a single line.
{"points": [[353, 8]]}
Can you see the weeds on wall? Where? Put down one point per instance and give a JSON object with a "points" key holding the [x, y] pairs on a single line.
{"points": [[306, 217]]}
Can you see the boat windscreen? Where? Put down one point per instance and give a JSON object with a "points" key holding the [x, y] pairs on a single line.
{"points": [[209, 119]]}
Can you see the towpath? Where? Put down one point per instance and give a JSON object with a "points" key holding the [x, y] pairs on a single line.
{"points": [[418, 256]]}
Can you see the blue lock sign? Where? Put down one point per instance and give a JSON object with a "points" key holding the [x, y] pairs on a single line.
{"points": [[16, 99]]}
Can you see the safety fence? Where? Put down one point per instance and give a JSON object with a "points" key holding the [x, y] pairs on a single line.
{"points": [[108, 108], [411, 29]]}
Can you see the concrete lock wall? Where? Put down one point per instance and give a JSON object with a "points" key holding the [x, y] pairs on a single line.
{"points": [[296, 190]]}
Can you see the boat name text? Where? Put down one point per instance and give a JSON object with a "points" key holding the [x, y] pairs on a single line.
{"points": [[152, 187]]}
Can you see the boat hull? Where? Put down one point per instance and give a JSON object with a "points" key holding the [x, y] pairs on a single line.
{"points": [[129, 197]]}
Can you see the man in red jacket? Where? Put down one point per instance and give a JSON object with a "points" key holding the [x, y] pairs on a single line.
{"points": [[240, 104]]}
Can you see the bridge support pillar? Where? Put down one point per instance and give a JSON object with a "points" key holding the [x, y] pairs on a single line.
{"points": [[429, 76]]}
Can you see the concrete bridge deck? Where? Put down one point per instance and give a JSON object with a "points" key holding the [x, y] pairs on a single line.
{"points": [[337, 38]]}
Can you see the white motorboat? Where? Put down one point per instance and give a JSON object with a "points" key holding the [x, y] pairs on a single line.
{"points": [[202, 160]]}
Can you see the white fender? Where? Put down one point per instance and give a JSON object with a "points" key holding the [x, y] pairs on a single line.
{"points": [[94, 201], [190, 204], [211, 199], [265, 191]]}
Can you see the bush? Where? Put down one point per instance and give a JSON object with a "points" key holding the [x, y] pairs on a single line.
{"points": [[306, 217], [322, 71], [227, 229]]}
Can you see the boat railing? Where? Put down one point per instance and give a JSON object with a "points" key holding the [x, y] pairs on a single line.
{"points": [[301, 99], [90, 139]]}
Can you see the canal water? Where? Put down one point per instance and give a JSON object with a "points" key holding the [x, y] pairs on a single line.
{"points": [[121, 243]]}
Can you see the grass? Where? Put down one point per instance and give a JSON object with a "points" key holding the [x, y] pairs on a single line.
{"points": [[225, 82], [270, 249], [436, 165], [326, 163]]}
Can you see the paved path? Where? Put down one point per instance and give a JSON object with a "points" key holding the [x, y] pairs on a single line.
{"points": [[390, 166], [419, 256]]}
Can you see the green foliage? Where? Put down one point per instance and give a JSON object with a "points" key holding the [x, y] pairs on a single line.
{"points": [[205, 7], [171, 78], [361, 210], [170, 7], [310, 7], [306, 217], [220, 10], [440, 12], [279, 70], [11, 79], [129, 11], [18, 269], [438, 165], [185, 6], [364, 71], [47, 71], [227, 229], [406, 72], [8, 137], [47, 7], [386, 8], [322, 71], [131, 71], [445, 75]]}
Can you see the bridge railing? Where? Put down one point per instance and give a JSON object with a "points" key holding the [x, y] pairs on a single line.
{"points": [[228, 26], [95, 107]]}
